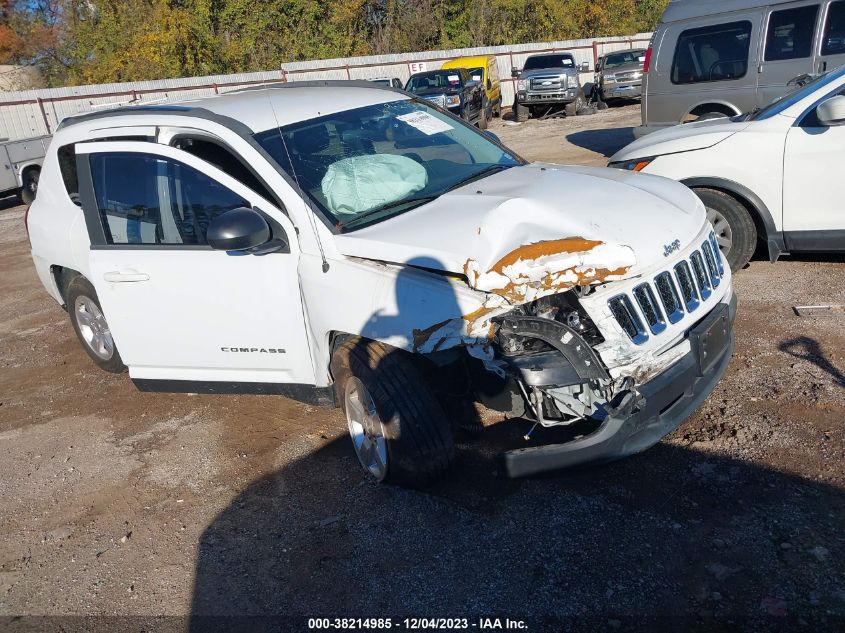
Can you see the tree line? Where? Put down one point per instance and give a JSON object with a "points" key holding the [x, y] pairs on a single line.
{"points": [[101, 41]]}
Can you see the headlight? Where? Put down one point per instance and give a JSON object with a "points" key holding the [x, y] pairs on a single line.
{"points": [[638, 164], [453, 101], [522, 84]]}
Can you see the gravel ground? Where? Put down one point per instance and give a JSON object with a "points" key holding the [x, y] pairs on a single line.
{"points": [[121, 503]]}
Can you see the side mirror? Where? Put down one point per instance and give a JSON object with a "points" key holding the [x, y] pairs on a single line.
{"points": [[238, 230], [492, 136], [585, 67], [832, 111], [514, 72]]}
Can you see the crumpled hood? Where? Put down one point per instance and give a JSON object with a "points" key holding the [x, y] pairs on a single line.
{"points": [[537, 229], [680, 138]]}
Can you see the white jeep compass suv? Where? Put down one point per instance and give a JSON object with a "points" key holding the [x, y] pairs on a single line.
{"points": [[347, 243], [774, 176]]}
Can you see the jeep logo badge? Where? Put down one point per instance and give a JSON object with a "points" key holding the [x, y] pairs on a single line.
{"points": [[670, 248]]}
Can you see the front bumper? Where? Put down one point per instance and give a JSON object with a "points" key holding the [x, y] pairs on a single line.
{"points": [[636, 424], [622, 91], [537, 98]]}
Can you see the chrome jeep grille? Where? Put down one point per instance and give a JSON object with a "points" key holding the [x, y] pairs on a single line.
{"points": [[671, 295]]}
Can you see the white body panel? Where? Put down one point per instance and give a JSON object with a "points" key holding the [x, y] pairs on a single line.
{"points": [[794, 169]]}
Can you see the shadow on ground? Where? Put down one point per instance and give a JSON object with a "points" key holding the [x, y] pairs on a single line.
{"points": [[602, 141], [673, 531]]}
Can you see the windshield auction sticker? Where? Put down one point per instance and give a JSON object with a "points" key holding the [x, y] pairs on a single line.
{"points": [[425, 123]]}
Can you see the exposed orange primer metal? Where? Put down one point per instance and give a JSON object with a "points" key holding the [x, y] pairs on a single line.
{"points": [[421, 336], [545, 248]]}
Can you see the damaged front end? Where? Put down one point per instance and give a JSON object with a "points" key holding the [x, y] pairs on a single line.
{"points": [[574, 359]]}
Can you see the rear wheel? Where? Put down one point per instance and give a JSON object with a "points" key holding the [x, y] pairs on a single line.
{"points": [[399, 432], [732, 224], [29, 184], [90, 325]]}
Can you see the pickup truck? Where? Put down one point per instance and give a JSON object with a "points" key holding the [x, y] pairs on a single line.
{"points": [[454, 90], [20, 166], [349, 244], [548, 80]]}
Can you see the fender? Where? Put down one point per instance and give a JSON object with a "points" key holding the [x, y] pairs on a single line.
{"points": [[719, 102], [773, 237]]}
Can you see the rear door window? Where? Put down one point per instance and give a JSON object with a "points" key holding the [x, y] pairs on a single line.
{"points": [[790, 33], [833, 42], [712, 53]]}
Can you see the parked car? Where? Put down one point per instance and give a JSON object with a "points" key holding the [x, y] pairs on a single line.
{"points": [[387, 82], [619, 75], [453, 90], [548, 79], [482, 68], [341, 242], [21, 166], [709, 59], [774, 175]]}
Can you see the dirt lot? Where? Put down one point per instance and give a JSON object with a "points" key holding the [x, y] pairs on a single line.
{"points": [[116, 502]]}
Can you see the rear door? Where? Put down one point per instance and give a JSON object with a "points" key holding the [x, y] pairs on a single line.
{"points": [[179, 310], [787, 48], [832, 45]]}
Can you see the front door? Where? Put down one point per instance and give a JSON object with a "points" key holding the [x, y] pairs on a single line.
{"points": [[787, 49], [179, 310], [813, 186]]}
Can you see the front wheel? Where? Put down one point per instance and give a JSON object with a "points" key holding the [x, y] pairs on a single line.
{"points": [[91, 327], [577, 106], [399, 432], [732, 224], [521, 113]]}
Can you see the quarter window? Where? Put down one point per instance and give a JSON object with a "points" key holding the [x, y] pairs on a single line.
{"points": [[833, 42], [790, 33], [146, 199], [712, 53]]}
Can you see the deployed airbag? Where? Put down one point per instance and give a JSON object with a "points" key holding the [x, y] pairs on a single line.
{"points": [[359, 183]]}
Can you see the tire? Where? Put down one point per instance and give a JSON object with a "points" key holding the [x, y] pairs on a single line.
{"points": [[30, 185], [383, 384], [577, 106], [90, 325], [734, 227], [521, 113]]}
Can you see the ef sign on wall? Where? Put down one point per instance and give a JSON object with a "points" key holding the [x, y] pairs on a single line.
{"points": [[416, 67]]}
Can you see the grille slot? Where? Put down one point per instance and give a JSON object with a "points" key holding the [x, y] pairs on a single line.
{"points": [[650, 310], [688, 292], [718, 253], [627, 317], [669, 297], [700, 275], [710, 260]]}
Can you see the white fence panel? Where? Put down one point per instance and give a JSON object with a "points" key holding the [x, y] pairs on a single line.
{"points": [[37, 112]]}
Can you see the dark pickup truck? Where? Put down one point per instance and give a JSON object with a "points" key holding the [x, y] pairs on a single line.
{"points": [[453, 90]]}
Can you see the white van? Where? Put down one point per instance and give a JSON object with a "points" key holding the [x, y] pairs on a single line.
{"points": [[711, 59]]}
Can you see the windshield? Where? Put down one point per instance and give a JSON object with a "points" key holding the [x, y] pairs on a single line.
{"points": [[443, 80], [549, 61], [369, 164], [620, 59], [476, 74], [782, 103]]}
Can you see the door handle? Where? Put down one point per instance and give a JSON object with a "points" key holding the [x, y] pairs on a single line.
{"points": [[117, 276]]}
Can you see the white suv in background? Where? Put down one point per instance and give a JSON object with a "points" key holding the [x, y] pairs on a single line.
{"points": [[776, 175], [343, 242]]}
